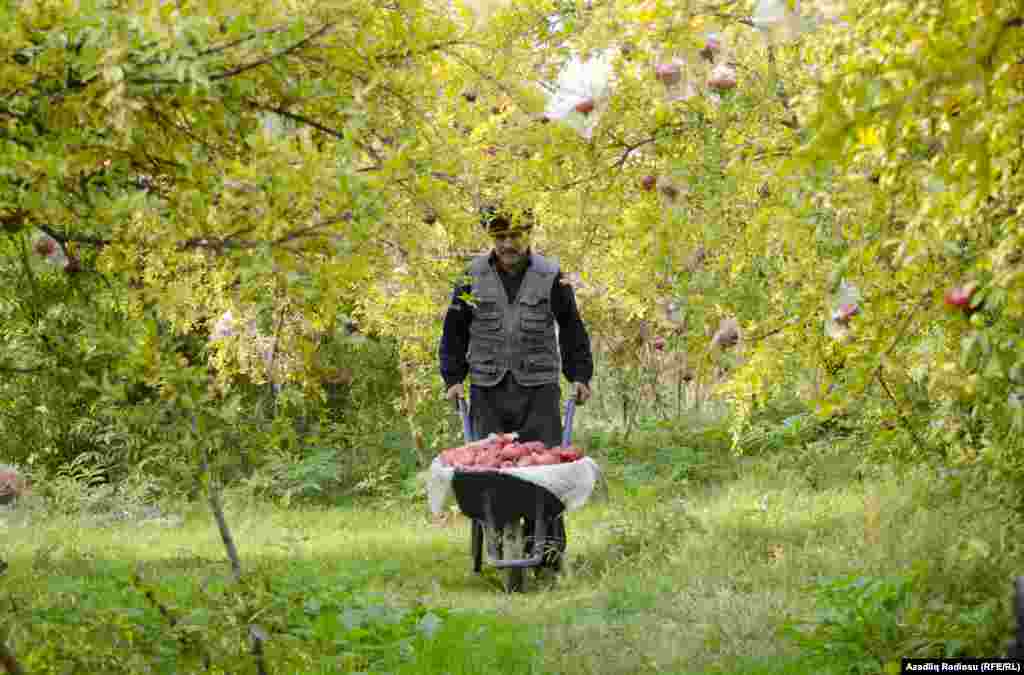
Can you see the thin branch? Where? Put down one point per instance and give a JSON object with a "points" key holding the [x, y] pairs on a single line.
{"points": [[630, 148], [793, 122], [63, 239], [274, 349], [284, 52], [228, 242], [774, 331], [415, 54], [213, 497], [732, 17], [312, 229], [242, 40], [899, 409], [166, 121], [302, 119], [245, 67], [20, 371], [258, 636], [167, 614], [486, 76]]}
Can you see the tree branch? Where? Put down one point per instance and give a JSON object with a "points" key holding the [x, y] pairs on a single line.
{"points": [[258, 636], [630, 148], [166, 613], [302, 119], [245, 67], [412, 54], [242, 40], [899, 409], [211, 242], [20, 371], [63, 239], [284, 52], [774, 331]]}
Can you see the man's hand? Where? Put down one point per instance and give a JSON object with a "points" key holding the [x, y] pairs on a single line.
{"points": [[581, 392], [454, 392]]}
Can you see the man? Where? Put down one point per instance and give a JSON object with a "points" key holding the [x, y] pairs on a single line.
{"points": [[500, 330]]}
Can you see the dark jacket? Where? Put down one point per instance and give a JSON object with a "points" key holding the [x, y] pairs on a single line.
{"points": [[574, 343], [513, 337]]}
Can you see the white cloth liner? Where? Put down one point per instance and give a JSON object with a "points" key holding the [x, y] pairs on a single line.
{"points": [[573, 482]]}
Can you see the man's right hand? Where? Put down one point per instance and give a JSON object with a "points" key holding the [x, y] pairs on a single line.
{"points": [[454, 392]]}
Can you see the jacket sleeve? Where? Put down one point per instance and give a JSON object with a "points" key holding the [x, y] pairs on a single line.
{"points": [[573, 340], [454, 347]]}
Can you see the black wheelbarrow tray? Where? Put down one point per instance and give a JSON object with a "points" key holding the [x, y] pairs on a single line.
{"points": [[498, 501]]}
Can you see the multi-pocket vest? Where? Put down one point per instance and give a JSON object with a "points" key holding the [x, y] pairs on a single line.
{"points": [[519, 336]]}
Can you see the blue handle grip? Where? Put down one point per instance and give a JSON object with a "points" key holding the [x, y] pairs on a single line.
{"points": [[467, 427], [570, 410]]}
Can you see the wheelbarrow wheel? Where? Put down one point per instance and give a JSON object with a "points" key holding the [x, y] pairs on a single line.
{"points": [[556, 552]]}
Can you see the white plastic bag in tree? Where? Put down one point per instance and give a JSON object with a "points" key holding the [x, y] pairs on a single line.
{"points": [[776, 21], [258, 352], [52, 252], [580, 94], [831, 10], [483, 9], [844, 305]]}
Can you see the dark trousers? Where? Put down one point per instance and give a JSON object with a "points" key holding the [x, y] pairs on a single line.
{"points": [[507, 407], [533, 412]]}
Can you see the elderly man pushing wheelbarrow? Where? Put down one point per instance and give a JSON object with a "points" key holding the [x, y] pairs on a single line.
{"points": [[500, 329]]}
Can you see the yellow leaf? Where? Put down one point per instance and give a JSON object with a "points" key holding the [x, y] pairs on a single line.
{"points": [[868, 136]]}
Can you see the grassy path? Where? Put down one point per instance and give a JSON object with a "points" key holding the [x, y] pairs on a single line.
{"points": [[665, 576]]}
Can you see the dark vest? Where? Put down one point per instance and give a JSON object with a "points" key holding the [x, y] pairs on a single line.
{"points": [[519, 336]]}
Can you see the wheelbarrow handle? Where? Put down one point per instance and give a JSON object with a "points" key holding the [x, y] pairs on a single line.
{"points": [[467, 427], [570, 411]]}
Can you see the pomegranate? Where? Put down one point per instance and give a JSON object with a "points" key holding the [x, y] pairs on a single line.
{"points": [[668, 73], [722, 78], [960, 296], [586, 106], [45, 247], [845, 312]]}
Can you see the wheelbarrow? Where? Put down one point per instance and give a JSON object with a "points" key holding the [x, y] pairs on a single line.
{"points": [[496, 502]]}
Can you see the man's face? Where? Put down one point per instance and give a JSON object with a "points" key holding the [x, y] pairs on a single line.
{"points": [[511, 247]]}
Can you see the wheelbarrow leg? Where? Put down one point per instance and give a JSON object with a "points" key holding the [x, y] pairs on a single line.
{"points": [[515, 580], [555, 544], [477, 545], [495, 545]]}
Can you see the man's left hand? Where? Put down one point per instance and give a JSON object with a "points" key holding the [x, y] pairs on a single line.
{"points": [[581, 391]]}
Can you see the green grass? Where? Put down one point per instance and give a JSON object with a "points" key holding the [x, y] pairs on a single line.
{"points": [[679, 571]]}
